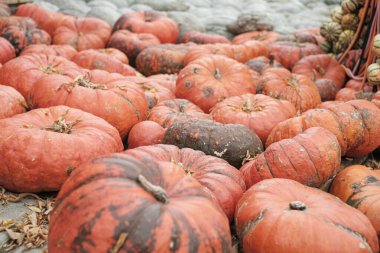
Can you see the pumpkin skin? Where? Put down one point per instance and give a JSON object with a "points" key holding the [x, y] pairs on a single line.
{"points": [[289, 53], [7, 51], [35, 158], [82, 33], [11, 102], [94, 59], [166, 113], [162, 59], [263, 36], [114, 53], [132, 43], [278, 209], [109, 96], [321, 66], [232, 142], [211, 79], [297, 89], [347, 94], [311, 158], [354, 124], [203, 38], [166, 80], [153, 22], [65, 51], [211, 172], [145, 133], [33, 67], [154, 92], [359, 187], [259, 64], [258, 112], [327, 89], [376, 99], [191, 222]]}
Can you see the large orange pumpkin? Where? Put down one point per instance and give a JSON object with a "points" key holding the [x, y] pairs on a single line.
{"points": [[263, 36], [7, 51], [203, 38], [11, 102], [40, 148], [153, 22], [99, 59], [223, 181], [24, 71], [282, 215], [65, 51], [211, 79], [259, 113], [132, 43], [297, 89], [312, 158], [146, 206], [354, 123], [359, 187], [82, 33], [109, 96], [168, 112]]}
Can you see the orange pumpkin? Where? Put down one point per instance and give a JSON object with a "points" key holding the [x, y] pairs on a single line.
{"points": [[376, 99], [203, 38], [211, 79], [259, 64], [11, 102], [282, 215], [347, 94], [65, 51], [7, 51], [166, 80], [263, 36], [145, 133]]}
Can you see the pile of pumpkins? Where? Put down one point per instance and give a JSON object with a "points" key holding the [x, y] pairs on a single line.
{"points": [[158, 146]]}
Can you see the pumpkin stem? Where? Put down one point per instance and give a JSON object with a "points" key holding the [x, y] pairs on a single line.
{"points": [[217, 74], [271, 59], [61, 126], [320, 70], [182, 107], [49, 69], [297, 205], [292, 82], [158, 192]]}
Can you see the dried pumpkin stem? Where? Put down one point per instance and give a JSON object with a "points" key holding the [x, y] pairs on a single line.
{"points": [[120, 242], [297, 205], [292, 82], [217, 74], [61, 126], [158, 192]]}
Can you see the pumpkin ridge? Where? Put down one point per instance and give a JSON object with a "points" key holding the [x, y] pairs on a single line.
{"points": [[310, 157], [286, 155], [328, 153], [268, 165], [131, 105], [356, 234]]}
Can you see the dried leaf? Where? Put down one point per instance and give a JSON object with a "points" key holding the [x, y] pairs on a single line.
{"points": [[35, 209], [120, 242], [19, 237]]}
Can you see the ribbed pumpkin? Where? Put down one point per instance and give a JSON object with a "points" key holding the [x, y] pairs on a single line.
{"points": [[321, 66], [82, 33], [354, 123], [359, 187], [203, 38], [259, 64], [376, 99], [289, 53], [109, 96], [282, 215], [153, 22], [259, 113], [147, 206], [297, 89], [96, 59], [168, 112], [162, 59], [145, 133], [132, 43], [24, 71], [211, 79], [223, 181], [40, 148], [311, 158], [263, 36], [11, 102], [166, 80], [7, 51], [347, 94], [65, 51]]}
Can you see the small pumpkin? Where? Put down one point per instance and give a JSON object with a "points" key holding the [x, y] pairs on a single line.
{"points": [[145, 133], [7, 51], [350, 21], [359, 186], [232, 142], [373, 74], [337, 14], [376, 45], [11, 102], [211, 172], [331, 30], [153, 22], [147, 206], [345, 38], [297, 89], [38, 151], [276, 210], [167, 112], [203, 38], [65, 51], [349, 6], [259, 113], [132, 43], [211, 79], [311, 158]]}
